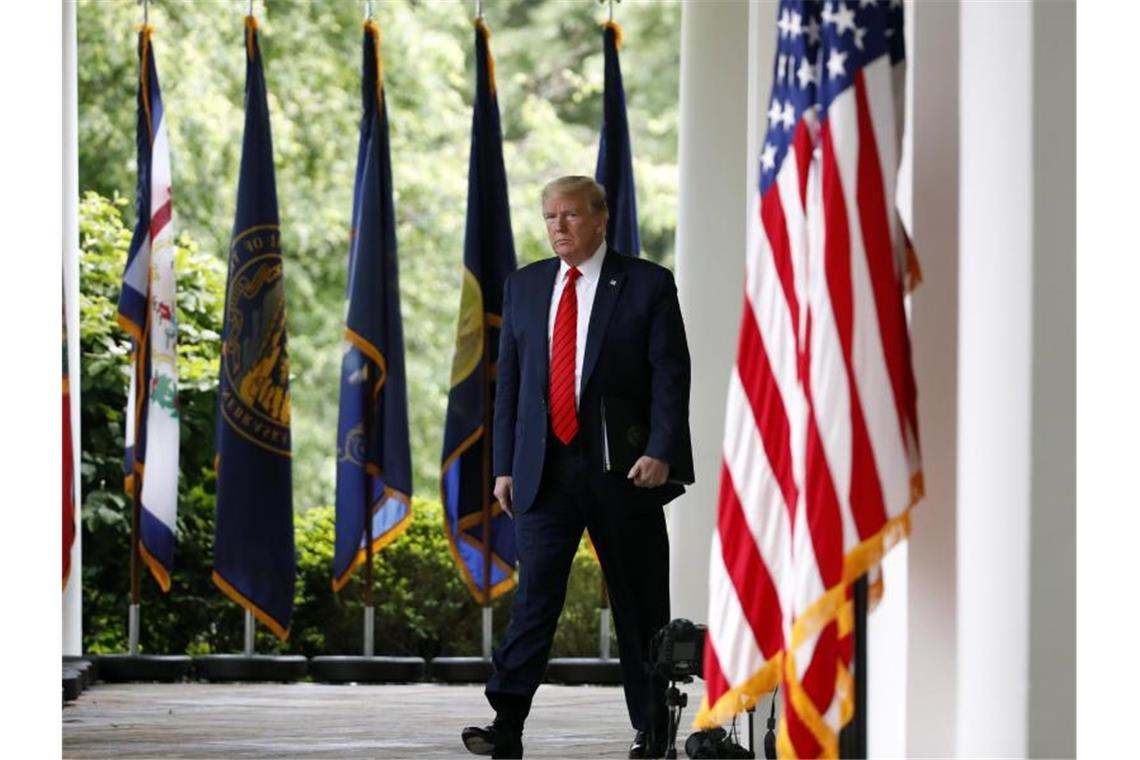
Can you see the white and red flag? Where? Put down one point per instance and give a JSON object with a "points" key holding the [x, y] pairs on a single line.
{"points": [[821, 461], [148, 312]]}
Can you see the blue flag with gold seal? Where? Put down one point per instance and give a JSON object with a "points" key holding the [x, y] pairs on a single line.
{"points": [[480, 534], [374, 465], [254, 561], [615, 154]]}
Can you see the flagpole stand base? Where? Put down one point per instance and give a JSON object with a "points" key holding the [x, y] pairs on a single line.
{"points": [[335, 669], [78, 674], [87, 667], [574, 671], [460, 669], [125, 668], [258, 667], [72, 684]]}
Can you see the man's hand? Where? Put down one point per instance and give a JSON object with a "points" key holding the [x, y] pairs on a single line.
{"points": [[646, 472], [505, 493]]}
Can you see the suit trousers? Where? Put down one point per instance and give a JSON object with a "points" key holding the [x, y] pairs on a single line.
{"points": [[633, 546]]}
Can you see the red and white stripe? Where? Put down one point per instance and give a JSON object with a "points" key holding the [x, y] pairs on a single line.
{"points": [[751, 563], [821, 461]]}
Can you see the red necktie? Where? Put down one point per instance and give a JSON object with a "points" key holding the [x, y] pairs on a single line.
{"points": [[563, 409]]}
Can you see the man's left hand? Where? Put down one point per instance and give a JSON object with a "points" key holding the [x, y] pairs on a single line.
{"points": [[648, 472]]}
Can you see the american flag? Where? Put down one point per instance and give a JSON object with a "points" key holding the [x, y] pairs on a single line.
{"points": [[821, 460]]}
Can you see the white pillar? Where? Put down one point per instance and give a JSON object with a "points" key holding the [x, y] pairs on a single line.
{"points": [[1016, 478], [712, 205], [930, 204], [72, 595], [996, 197]]}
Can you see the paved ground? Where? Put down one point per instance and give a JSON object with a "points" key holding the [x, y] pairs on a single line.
{"points": [[198, 720]]}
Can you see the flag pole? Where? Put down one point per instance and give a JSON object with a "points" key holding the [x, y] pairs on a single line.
{"points": [[368, 648], [136, 486], [853, 736], [488, 487], [248, 647], [487, 496], [369, 602], [249, 622], [604, 617], [133, 478], [369, 599], [136, 579]]}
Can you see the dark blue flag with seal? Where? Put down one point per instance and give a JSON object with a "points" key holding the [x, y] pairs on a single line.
{"points": [[615, 156], [481, 535], [254, 561], [374, 464]]}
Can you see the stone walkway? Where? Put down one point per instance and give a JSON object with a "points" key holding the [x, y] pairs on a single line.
{"points": [[199, 720]]}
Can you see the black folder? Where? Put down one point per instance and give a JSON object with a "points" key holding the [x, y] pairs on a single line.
{"points": [[625, 434]]}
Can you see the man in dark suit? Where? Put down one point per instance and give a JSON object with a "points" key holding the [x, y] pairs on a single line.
{"points": [[588, 325]]}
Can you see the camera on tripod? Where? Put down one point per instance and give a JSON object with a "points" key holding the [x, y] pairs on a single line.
{"points": [[677, 651]]}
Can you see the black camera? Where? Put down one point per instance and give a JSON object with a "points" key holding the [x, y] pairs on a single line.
{"points": [[677, 651]]}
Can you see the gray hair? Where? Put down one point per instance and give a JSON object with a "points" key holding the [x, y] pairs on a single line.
{"points": [[574, 185]]}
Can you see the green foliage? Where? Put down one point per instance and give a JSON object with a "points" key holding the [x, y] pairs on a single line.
{"points": [[445, 622], [421, 605]]}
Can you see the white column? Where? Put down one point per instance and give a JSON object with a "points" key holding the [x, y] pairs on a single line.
{"points": [[929, 201], [995, 321], [1016, 475], [712, 205], [72, 595]]}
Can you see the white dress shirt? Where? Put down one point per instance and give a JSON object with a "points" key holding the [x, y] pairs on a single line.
{"points": [[585, 288]]}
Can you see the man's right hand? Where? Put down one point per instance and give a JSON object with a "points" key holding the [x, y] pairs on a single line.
{"points": [[505, 493]]}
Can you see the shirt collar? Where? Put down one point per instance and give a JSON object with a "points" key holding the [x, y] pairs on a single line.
{"points": [[591, 268]]}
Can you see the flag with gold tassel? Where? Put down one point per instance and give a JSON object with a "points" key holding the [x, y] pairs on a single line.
{"points": [[481, 535], [254, 563], [374, 465], [147, 311], [615, 153]]}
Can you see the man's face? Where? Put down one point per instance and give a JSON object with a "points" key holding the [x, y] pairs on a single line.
{"points": [[574, 228]]}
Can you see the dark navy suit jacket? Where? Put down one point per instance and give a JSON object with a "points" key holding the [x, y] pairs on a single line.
{"points": [[635, 350]]}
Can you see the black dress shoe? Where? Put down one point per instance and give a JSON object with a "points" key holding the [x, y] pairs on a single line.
{"points": [[642, 747], [492, 740]]}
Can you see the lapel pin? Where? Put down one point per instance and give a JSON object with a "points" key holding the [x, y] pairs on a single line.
{"points": [[613, 282]]}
